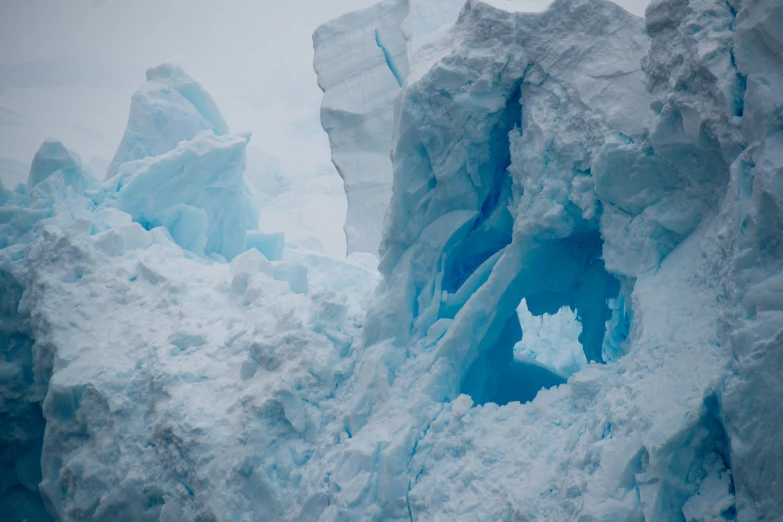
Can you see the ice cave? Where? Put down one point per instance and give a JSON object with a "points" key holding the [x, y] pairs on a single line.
{"points": [[515, 260]]}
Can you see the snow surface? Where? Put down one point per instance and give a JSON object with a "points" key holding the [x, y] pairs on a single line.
{"points": [[578, 159]]}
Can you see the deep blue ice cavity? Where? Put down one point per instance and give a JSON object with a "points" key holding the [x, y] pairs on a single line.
{"points": [[559, 273]]}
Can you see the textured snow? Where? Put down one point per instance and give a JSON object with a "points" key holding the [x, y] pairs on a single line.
{"points": [[564, 179]]}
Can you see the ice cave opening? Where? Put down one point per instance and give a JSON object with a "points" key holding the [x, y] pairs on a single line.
{"points": [[551, 339], [567, 301]]}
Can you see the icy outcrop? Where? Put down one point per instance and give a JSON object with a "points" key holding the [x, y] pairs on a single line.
{"points": [[362, 60], [171, 107], [753, 325], [55, 200], [208, 412], [117, 301], [124, 404], [178, 168], [196, 191]]}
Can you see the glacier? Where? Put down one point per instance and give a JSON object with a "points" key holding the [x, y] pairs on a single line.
{"points": [[576, 313]]}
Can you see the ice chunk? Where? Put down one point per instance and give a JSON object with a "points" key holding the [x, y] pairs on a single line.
{"points": [[118, 240], [252, 260], [271, 245], [294, 274], [196, 191], [171, 107], [53, 157]]}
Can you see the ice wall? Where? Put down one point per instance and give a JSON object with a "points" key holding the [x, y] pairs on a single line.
{"points": [[576, 157], [362, 59], [752, 211]]}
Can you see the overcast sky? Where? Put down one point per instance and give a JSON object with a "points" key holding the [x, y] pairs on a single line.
{"points": [[253, 56]]}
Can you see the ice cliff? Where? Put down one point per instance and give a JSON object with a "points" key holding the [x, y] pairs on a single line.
{"points": [[579, 310], [362, 60]]}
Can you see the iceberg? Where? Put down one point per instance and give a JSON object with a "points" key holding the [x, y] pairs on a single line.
{"points": [[188, 174], [575, 157], [577, 313], [154, 238]]}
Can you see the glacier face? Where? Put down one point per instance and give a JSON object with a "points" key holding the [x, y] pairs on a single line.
{"points": [[362, 59], [576, 157], [568, 163]]}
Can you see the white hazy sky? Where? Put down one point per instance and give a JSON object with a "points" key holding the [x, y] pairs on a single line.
{"points": [[253, 56]]}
